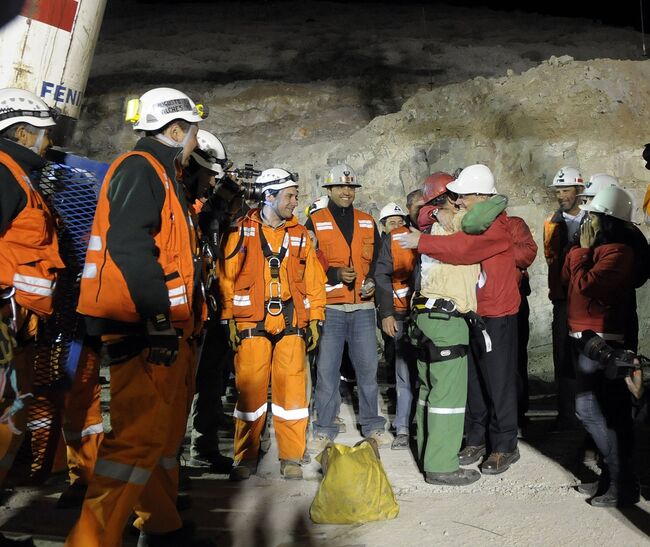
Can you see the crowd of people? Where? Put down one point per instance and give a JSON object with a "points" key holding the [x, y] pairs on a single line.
{"points": [[192, 273]]}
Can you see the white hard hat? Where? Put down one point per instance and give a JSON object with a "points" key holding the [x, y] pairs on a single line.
{"points": [[160, 106], [275, 179], [211, 154], [598, 182], [612, 201], [341, 175], [568, 176], [474, 179], [390, 210], [20, 106]]}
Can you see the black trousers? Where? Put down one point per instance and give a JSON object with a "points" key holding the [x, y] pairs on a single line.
{"points": [[565, 359], [523, 334], [492, 385]]}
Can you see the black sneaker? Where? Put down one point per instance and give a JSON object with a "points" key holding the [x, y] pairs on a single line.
{"points": [[460, 477]]}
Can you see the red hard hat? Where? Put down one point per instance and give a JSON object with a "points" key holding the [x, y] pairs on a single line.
{"points": [[435, 185]]}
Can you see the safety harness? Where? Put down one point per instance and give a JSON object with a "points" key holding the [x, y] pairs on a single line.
{"points": [[275, 305], [441, 309]]}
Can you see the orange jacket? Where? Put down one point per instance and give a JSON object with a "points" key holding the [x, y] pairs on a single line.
{"points": [[29, 249], [403, 265], [104, 292], [246, 276], [341, 255], [556, 246]]}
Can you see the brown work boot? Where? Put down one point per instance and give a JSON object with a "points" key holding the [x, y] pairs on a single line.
{"points": [[498, 462], [471, 454], [290, 470]]}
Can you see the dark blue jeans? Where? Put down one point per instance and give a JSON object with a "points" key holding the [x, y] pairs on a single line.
{"points": [[604, 408], [358, 328]]}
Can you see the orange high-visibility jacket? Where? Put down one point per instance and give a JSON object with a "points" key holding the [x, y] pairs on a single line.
{"points": [[341, 255], [403, 265], [29, 249], [104, 292], [246, 276], [556, 241]]}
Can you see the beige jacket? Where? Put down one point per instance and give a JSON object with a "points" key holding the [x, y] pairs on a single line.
{"points": [[457, 283]]}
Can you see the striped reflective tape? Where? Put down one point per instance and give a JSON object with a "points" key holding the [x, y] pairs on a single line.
{"points": [[94, 429], [293, 414], [324, 226], [443, 410], [250, 416], [90, 270], [122, 472], [95, 243], [241, 300], [329, 288]]}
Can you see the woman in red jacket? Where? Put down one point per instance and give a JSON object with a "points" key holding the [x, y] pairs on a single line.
{"points": [[600, 277]]}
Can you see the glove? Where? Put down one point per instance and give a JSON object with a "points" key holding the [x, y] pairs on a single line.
{"points": [[7, 344], [233, 335], [162, 341], [314, 329]]}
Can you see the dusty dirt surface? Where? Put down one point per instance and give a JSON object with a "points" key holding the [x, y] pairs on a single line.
{"points": [[534, 503]]}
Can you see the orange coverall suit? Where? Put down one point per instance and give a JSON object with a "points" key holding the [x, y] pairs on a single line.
{"points": [[246, 292], [137, 469], [29, 258]]}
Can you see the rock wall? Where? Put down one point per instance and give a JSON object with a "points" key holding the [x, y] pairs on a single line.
{"points": [[525, 127]]}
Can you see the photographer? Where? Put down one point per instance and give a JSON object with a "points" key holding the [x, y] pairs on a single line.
{"points": [[600, 278]]}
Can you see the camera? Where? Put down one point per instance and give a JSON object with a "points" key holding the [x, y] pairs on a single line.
{"points": [[616, 362]]}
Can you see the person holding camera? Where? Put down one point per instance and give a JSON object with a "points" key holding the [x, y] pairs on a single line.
{"points": [[600, 281]]}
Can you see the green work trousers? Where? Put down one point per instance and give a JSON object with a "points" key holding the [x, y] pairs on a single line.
{"points": [[440, 413]]}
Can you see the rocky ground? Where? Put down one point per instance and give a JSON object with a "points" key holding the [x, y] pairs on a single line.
{"points": [[534, 503]]}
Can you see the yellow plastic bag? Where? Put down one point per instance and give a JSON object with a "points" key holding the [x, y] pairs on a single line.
{"points": [[355, 487]]}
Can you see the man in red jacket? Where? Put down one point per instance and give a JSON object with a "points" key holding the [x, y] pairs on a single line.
{"points": [[492, 416]]}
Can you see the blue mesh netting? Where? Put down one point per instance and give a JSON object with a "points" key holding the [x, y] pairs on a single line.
{"points": [[71, 193]]}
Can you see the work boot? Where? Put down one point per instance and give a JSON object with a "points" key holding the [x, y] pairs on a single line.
{"points": [[460, 477], [382, 437], [471, 454], [618, 495], [596, 488], [214, 461], [338, 421], [72, 497], [401, 442], [318, 443], [498, 462], [243, 470], [306, 458], [290, 470]]}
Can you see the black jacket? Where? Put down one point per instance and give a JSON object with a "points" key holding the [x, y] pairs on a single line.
{"points": [[12, 197]]}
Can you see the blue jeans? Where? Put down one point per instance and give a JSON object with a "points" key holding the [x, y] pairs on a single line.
{"points": [[603, 407], [358, 329], [404, 376]]}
